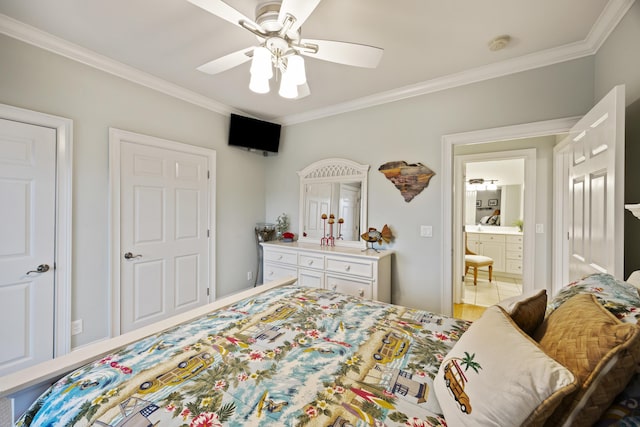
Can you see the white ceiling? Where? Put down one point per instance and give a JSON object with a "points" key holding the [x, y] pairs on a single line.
{"points": [[428, 45]]}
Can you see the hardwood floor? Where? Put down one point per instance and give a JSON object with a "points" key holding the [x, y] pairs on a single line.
{"points": [[468, 311]]}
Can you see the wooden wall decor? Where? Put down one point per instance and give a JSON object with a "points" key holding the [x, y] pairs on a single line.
{"points": [[410, 179]]}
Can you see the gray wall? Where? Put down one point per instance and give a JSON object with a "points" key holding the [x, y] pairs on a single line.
{"points": [[617, 61], [411, 130], [38, 80]]}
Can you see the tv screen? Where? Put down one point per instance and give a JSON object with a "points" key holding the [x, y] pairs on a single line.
{"points": [[254, 134]]}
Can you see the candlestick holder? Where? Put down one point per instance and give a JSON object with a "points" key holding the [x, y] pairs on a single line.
{"points": [[324, 241], [331, 241], [340, 222]]}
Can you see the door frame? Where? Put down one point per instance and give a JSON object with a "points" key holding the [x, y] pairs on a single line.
{"points": [[116, 138], [528, 155], [526, 130], [64, 215]]}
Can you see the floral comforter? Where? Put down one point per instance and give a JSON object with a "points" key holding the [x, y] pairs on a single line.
{"points": [[288, 357]]}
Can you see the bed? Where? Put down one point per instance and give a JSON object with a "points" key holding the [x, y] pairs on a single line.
{"points": [[294, 356]]}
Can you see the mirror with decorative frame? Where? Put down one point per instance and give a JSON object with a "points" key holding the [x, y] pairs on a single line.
{"points": [[338, 187]]}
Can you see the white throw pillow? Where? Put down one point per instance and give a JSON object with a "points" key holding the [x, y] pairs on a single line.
{"points": [[497, 375]]}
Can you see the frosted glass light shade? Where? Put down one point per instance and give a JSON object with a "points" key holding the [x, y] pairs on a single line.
{"points": [[295, 66], [259, 84], [261, 63], [288, 89]]}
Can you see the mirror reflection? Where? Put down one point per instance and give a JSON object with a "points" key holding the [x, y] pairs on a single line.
{"points": [[494, 193], [333, 186], [339, 198]]}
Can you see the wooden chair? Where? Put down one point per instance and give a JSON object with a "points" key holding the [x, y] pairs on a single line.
{"points": [[475, 261]]}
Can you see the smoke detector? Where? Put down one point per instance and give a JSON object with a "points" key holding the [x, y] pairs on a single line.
{"points": [[499, 42]]}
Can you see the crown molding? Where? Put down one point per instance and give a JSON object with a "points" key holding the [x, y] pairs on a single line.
{"points": [[36, 37], [612, 14], [608, 20]]}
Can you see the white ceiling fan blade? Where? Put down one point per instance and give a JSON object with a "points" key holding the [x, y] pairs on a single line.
{"points": [[224, 11], [226, 62], [299, 9], [357, 55]]}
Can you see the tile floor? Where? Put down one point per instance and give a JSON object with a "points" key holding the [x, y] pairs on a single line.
{"points": [[489, 293]]}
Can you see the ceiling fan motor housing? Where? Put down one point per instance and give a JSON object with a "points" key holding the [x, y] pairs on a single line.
{"points": [[267, 18]]}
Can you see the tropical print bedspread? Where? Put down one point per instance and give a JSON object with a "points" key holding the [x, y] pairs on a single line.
{"points": [[288, 357]]}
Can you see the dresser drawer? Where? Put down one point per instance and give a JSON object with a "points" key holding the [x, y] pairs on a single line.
{"points": [[358, 288], [514, 266], [514, 247], [311, 261], [283, 257], [277, 272], [310, 278], [350, 266], [492, 238], [514, 255], [515, 239]]}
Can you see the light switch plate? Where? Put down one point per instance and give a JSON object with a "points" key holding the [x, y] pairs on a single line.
{"points": [[539, 228], [426, 231]]}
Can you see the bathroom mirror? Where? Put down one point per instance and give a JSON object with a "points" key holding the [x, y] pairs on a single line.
{"points": [[338, 187]]}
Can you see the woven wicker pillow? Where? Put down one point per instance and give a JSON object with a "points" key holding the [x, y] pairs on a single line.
{"points": [[601, 351], [496, 375], [527, 310]]}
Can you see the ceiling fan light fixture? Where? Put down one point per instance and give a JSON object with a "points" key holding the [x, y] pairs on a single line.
{"points": [[288, 88], [295, 67], [259, 84], [261, 63]]}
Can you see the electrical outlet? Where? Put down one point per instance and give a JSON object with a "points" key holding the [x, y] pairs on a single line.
{"points": [[76, 327], [249, 275]]}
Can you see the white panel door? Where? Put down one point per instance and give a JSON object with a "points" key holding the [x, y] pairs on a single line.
{"points": [[27, 231], [350, 212], [596, 189], [163, 233], [318, 202]]}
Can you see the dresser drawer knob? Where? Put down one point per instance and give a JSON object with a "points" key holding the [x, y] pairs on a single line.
{"points": [[310, 262], [334, 287], [347, 267], [279, 257], [361, 292]]}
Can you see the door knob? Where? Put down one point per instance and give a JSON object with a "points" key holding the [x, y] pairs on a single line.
{"points": [[129, 255], [42, 268]]}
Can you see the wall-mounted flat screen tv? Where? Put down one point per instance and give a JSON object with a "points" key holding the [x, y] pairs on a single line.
{"points": [[254, 134]]}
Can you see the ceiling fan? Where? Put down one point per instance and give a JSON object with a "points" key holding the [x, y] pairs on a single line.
{"points": [[280, 46]]}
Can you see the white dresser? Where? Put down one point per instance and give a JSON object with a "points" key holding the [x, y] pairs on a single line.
{"points": [[504, 248], [347, 270]]}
